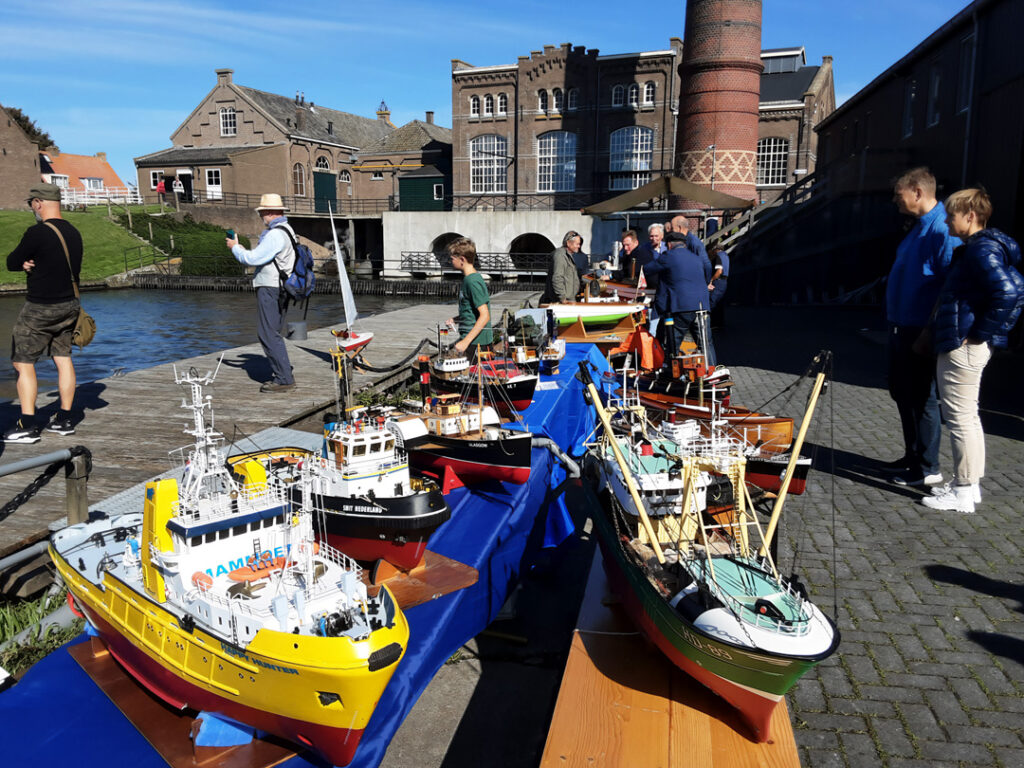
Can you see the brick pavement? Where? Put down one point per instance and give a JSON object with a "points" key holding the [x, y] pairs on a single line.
{"points": [[930, 671]]}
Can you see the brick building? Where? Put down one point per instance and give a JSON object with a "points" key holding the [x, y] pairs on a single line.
{"points": [[19, 163], [954, 103], [590, 126], [419, 147], [239, 142]]}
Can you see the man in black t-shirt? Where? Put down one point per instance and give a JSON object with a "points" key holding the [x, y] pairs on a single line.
{"points": [[47, 321]]}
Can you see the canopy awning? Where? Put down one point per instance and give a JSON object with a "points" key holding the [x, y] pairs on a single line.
{"points": [[664, 186]]}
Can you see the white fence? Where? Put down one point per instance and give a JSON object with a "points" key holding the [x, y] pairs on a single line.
{"points": [[122, 195]]}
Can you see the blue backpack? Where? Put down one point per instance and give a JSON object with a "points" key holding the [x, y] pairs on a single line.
{"points": [[300, 283]]}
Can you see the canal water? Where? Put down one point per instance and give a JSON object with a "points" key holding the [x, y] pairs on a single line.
{"points": [[139, 329]]}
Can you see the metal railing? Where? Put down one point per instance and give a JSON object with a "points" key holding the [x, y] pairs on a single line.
{"points": [[295, 204], [493, 263], [122, 195]]}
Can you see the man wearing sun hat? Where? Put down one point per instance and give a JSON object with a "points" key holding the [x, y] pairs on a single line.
{"points": [[273, 255], [47, 321]]}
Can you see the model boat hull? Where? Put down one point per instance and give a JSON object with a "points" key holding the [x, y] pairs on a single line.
{"points": [[396, 530], [593, 313], [502, 395], [475, 460], [767, 472], [275, 693], [751, 680]]}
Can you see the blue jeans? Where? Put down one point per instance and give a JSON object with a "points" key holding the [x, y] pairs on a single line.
{"points": [[912, 386], [269, 324]]}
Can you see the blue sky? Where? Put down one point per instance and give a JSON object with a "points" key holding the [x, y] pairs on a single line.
{"points": [[120, 75]]}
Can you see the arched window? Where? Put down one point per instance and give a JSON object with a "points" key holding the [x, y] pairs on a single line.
{"points": [[299, 180], [323, 164], [487, 163], [618, 95], [344, 177], [634, 94], [502, 104], [474, 106], [556, 99], [556, 162], [648, 93], [572, 103], [772, 161], [542, 100], [228, 126], [629, 157], [488, 105]]}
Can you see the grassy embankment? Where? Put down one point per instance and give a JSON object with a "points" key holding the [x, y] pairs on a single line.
{"points": [[105, 242]]}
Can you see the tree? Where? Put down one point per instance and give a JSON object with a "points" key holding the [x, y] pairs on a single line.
{"points": [[28, 125]]}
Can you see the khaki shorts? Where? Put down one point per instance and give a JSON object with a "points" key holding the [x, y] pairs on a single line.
{"points": [[43, 329]]}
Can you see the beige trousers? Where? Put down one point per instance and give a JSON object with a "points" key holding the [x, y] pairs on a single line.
{"points": [[959, 375]]}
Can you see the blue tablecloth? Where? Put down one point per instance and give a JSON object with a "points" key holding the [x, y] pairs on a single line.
{"points": [[57, 714]]}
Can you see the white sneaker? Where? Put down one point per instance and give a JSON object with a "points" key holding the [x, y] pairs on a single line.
{"points": [[938, 490], [957, 498]]}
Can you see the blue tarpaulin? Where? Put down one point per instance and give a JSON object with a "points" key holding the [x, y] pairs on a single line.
{"points": [[56, 714]]}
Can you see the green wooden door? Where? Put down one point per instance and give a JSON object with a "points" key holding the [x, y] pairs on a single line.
{"points": [[325, 191]]}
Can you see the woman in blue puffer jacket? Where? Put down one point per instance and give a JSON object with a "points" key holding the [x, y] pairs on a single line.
{"points": [[980, 301]]}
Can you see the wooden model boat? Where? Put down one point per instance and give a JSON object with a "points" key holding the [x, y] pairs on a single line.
{"points": [[624, 290], [466, 438], [373, 509], [505, 387], [216, 597], [703, 593]]}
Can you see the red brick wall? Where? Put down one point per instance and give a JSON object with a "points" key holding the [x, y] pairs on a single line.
{"points": [[720, 92], [19, 163]]}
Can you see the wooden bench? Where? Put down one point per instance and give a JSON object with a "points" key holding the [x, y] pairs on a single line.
{"points": [[622, 703]]}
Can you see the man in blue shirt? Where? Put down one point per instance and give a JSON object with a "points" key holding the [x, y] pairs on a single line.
{"points": [[922, 261], [272, 256]]}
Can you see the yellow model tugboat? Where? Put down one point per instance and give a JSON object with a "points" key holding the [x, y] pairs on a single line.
{"points": [[218, 598]]}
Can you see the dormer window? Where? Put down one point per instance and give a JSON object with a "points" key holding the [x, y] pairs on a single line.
{"points": [[330, 127]]}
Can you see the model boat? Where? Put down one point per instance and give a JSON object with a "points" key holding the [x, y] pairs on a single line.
{"points": [[350, 339], [623, 290], [465, 438], [505, 387], [217, 597], [705, 594], [373, 508], [597, 311]]}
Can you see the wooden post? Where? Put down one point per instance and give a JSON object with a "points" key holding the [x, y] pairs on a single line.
{"points": [[151, 231], [129, 212], [76, 483]]}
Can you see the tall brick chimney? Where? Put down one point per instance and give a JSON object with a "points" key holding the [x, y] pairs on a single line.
{"points": [[720, 86]]}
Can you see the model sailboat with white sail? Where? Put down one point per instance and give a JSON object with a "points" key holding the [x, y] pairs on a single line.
{"points": [[349, 339]]}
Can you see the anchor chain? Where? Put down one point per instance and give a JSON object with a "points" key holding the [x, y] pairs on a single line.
{"points": [[44, 477]]}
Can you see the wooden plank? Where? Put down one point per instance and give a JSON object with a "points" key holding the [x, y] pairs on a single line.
{"points": [[623, 703], [168, 730]]}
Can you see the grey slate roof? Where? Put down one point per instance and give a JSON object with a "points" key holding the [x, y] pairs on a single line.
{"points": [[427, 171], [787, 86], [187, 155], [412, 136], [349, 129]]}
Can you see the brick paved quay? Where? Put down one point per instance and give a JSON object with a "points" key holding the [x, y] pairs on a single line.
{"points": [[930, 671]]}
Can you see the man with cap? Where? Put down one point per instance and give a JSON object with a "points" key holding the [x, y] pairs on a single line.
{"points": [[273, 256], [50, 253]]}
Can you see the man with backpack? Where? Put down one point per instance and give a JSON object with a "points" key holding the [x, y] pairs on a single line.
{"points": [[274, 259]]}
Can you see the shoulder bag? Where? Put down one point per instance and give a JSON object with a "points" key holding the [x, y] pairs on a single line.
{"points": [[85, 326]]}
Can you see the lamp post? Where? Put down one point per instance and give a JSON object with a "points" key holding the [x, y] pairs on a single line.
{"points": [[712, 149]]}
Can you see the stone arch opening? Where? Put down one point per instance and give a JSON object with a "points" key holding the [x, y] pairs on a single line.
{"points": [[529, 252]]}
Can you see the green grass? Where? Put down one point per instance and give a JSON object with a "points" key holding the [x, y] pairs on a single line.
{"points": [[16, 615], [104, 243]]}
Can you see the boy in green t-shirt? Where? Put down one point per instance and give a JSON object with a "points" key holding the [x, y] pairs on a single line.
{"points": [[474, 300]]}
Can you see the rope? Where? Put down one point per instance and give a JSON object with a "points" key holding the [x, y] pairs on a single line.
{"points": [[360, 363]]}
